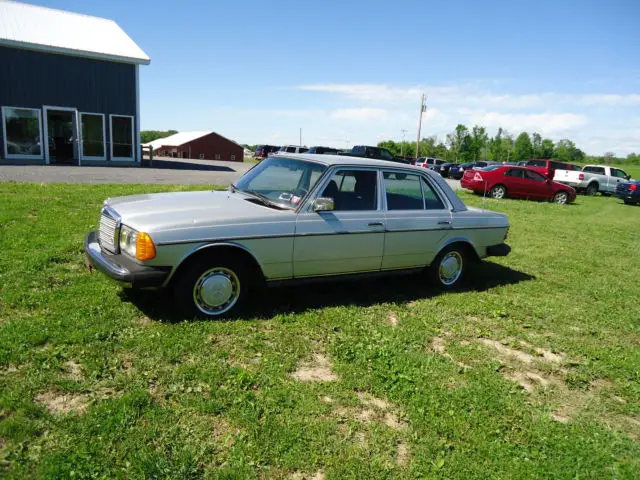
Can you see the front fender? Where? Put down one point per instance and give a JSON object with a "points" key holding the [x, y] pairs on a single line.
{"points": [[206, 246]]}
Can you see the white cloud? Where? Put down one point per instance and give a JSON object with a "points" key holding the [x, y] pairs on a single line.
{"points": [[543, 123], [359, 114]]}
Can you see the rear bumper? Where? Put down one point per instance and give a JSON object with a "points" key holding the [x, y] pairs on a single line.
{"points": [[123, 269], [501, 250]]}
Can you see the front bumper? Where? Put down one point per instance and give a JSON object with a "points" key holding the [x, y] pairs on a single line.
{"points": [[501, 250], [121, 268]]}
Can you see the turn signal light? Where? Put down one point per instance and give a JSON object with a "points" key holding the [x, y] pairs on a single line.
{"points": [[145, 248]]}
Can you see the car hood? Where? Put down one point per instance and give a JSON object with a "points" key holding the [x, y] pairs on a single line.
{"points": [[159, 212]]}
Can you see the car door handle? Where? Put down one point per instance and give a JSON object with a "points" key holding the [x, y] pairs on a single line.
{"points": [[376, 224], [445, 222]]}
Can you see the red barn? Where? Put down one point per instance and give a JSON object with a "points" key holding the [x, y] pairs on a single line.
{"points": [[198, 145]]}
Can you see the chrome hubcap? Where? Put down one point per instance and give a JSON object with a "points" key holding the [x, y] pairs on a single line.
{"points": [[498, 193], [561, 198], [450, 268], [216, 291]]}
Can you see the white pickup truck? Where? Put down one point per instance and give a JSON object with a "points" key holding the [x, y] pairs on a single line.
{"points": [[592, 179]]}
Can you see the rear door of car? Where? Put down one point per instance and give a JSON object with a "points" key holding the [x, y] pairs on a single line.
{"points": [[348, 239], [418, 217], [514, 181]]}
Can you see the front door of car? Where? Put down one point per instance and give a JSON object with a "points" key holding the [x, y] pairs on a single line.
{"points": [[536, 185], [617, 176], [417, 220], [348, 239]]}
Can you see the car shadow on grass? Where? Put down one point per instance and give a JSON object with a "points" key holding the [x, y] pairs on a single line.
{"points": [[299, 298]]}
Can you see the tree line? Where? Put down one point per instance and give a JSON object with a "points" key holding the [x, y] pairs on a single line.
{"points": [[147, 136], [469, 145]]}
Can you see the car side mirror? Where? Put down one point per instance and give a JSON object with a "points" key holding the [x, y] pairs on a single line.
{"points": [[323, 204]]}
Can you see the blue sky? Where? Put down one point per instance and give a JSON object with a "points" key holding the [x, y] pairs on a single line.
{"points": [[351, 72]]}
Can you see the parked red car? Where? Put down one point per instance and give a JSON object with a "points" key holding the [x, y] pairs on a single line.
{"points": [[501, 181]]}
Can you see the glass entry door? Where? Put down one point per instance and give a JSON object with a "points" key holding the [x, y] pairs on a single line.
{"points": [[61, 140]]}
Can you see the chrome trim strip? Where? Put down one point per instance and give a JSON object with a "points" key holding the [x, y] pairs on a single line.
{"points": [[363, 232]]}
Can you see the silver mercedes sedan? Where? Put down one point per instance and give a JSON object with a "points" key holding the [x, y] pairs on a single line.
{"points": [[290, 219]]}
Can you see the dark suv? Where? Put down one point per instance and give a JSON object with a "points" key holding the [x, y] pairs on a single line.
{"points": [[323, 150], [377, 153], [263, 151]]}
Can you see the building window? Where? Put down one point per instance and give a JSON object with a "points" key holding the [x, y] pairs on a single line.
{"points": [[233, 158], [93, 136], [121, 137], [202, 156], [217, 157], [22, 129]]}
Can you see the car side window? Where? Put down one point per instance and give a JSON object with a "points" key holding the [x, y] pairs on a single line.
{"points": [[531, 175], [403, 191], [431, 199], [598, 170], [558, 166], [618, 173], [514, 172], [353, 190], [386, 155]]}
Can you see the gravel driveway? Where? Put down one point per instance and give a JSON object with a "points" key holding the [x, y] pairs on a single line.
{"points": [[167, 171], [176, 171]]}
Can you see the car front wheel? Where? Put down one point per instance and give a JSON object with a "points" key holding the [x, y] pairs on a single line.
{"points": [[561, 198], [212, 288], [449, 267]]}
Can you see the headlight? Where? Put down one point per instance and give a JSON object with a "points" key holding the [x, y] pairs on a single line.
{"points": [[128, 240]]}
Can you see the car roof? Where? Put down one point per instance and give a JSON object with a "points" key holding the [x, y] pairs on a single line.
{"points": [[350, 161]]}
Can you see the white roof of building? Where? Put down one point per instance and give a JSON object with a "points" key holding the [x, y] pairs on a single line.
{"points": [[39, 28], [176, 139]]}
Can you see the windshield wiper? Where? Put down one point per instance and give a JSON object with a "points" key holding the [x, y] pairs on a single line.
{"points": [[263, 198]]}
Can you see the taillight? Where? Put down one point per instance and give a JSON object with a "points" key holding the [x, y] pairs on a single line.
{"points": [[633, 187], [581, 176], [477, 177]]}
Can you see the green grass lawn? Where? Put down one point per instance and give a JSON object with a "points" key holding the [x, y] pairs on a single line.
{"points": [[533, 371]]}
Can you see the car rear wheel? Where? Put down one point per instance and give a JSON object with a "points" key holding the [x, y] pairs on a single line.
{"points": [[212, 288], [561, 198], [449, 267], [592, 189], [498, 191], [629, 202]]}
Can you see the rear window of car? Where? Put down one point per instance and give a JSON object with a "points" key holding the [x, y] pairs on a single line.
{"points": [[559, 166], [598, 170], [466, 165], [536, 163], [490, 168]]}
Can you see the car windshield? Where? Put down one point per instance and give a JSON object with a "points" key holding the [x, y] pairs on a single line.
{"points": [[280, 182]]}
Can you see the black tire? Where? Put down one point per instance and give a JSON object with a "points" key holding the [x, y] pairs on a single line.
{"points": [[629, 202], [498, 192], [442, 267], [561, 197], [591, 189], [216, 277]]}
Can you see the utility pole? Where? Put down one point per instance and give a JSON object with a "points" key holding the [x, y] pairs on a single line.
{"points": [[423, 108], [300, 137], [402, 144]]}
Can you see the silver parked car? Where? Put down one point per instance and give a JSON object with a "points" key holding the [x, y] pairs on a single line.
{"points": [[292, 218]]}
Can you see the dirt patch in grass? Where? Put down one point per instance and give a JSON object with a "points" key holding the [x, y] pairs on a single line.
{"points": [[9, 369], [392, 318], [60, 403], [530, 380], [73, 370], [402, 454], [319, 475], [372, 409], [437, 345], [316, 370]]}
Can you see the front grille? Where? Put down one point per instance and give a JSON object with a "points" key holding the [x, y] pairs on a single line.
{"points": [[109, 230]]}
